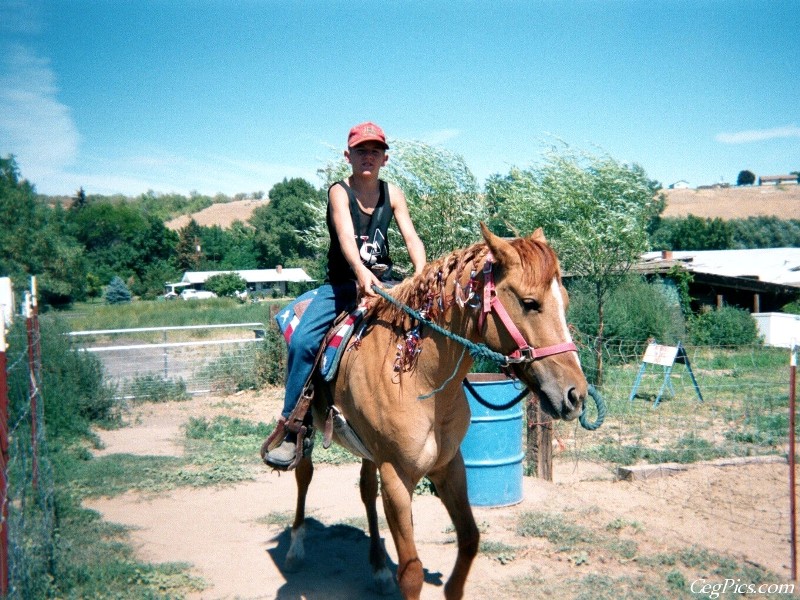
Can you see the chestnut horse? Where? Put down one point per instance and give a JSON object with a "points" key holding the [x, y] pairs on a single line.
{"points": [[403, 394]]}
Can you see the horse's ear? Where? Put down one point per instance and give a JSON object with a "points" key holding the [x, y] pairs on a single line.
{"points": [[538, 235], [502, 251]]}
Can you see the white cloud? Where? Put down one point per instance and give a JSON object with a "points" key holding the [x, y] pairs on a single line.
{"points": [[759, 135], [35, 126]]}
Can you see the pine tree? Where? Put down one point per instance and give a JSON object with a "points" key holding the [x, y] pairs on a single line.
{"points": [[117, 292]]}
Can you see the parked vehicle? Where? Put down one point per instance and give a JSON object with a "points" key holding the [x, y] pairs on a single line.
{"points": [[190, 294], [173, 290]]}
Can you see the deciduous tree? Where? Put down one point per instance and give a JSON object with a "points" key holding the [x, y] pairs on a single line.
{"points": [[594, 211], [279, 225]]}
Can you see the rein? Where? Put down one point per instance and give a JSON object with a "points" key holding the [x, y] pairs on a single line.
{"points": [[524, 353], [475, 350]]}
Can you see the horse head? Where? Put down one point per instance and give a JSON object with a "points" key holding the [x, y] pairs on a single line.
{"points": [[527, 287]]}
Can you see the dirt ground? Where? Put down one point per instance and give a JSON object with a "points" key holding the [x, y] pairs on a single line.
{"points": [[232, 540]]}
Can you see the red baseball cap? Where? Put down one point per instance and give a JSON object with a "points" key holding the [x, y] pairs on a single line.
{"points": [[366, 132]]}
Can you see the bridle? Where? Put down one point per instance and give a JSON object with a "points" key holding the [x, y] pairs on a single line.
{"points": [[525, 353]]}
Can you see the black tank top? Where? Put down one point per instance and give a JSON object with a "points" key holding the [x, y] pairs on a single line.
{"points": [[372, 240]]}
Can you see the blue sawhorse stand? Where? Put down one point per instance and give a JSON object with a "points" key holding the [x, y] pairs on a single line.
{"points": [[665, 356]]}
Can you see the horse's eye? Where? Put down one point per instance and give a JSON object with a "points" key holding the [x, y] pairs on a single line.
{"points": [[530, 304]]}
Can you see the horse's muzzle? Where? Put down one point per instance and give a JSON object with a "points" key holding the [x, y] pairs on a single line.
{"points": [[572, 404]]}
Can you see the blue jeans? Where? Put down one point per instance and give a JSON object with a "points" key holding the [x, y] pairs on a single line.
{"points": [[317, 319]]}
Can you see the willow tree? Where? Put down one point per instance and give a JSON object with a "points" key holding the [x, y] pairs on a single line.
{"points": [[594, 211], [443, 196]]}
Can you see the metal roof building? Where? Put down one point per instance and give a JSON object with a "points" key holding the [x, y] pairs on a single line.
{"points": [[757, 279]]}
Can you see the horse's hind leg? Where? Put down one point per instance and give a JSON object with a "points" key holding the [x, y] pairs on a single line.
{"points": [[377, 556], [451, 485], [396, 495], [297, 553]]}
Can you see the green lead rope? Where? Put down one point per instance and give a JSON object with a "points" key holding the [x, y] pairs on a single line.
{"points": [[483, 351]]}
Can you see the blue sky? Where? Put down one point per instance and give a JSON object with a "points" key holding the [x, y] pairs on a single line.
{"points": [[223, 96]]}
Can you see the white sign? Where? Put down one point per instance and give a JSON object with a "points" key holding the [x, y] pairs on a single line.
{"points": [[657, 354]]}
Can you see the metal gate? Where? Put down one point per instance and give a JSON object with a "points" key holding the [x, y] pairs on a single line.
{"points": [[175, 361]]}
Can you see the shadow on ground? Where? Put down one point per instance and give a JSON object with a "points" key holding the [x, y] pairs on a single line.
{"points": [[336, 566]]}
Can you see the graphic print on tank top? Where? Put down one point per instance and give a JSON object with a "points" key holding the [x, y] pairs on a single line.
{"points": [[371, 250]]}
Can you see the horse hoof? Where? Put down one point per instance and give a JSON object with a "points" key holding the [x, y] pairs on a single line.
{"points": [[384, 582], [297, 551]]}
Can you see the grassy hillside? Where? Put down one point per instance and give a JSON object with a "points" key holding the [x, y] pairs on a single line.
{"points": [[781, 201]]}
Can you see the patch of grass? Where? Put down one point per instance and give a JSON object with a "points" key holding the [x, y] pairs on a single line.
{"points": [[624, 548], [230, 373], [425, 487], [555, 529], [688, 449], [98, 561], [499, 551], [335, 455], [361, 523], [573, 537], [676, 581], [282, 518], [117, 473], [619, 524], [603, 587], [156, 389], [144, 313], [762, 430]]}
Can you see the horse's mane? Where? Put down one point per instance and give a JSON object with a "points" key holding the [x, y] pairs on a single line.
{"points": [[433, 288]]}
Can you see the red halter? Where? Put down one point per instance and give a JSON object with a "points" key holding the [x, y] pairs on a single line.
{"points": [[524, 352]]}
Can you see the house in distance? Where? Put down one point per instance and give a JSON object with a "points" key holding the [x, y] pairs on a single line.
{"points": [[259, 281]]}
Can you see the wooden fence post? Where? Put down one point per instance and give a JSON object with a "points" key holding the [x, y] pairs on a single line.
{"points": [[539, 452]]}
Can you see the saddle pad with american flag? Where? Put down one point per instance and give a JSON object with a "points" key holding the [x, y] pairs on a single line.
{"points": [[289, 318]]}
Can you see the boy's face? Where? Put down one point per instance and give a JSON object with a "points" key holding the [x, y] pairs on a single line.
{"points": [[366, 158]]}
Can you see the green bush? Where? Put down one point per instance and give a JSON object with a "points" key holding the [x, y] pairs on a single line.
{"points": [[793, 308], [71, 385], [726, 326], [635, 310], [271, 357]]}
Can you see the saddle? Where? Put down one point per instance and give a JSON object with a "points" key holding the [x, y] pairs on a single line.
{"points": [[327, 363]]}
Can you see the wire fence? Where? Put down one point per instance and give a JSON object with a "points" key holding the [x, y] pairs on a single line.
{"points": [[28, 481], [719, 402]]}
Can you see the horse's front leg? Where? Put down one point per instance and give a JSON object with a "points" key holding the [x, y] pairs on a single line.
{"points": [[451, 486], [297, 552], [396, 495], [368, 484]]}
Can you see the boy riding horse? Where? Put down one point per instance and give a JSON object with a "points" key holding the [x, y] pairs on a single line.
{"points": [[360, 209]]}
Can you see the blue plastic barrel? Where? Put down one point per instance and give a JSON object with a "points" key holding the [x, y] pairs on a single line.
{"points": [[492, 448]]}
